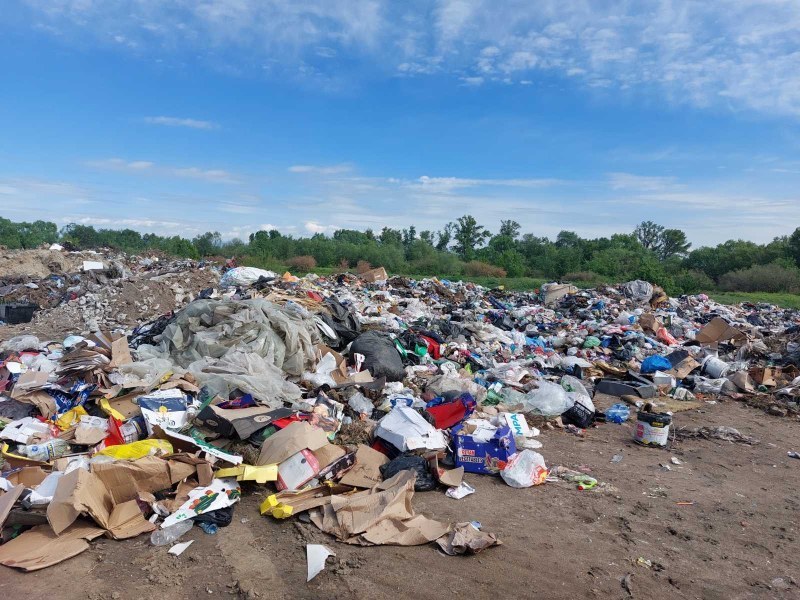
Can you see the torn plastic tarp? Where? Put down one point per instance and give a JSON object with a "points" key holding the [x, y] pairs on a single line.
{"points": [[216, 328]]}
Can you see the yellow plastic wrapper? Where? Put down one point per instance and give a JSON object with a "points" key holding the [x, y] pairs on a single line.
{"points": [[71, 418], [138, 449]]}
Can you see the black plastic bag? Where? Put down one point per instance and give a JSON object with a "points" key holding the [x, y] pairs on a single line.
{"points": [[381, 357], [411, 462], [221, 517]]}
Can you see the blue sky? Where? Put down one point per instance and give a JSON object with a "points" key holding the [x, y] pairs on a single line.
{"points": [[308, 116]]}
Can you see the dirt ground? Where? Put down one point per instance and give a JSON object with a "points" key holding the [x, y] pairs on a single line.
{"points": [[737, 539]]}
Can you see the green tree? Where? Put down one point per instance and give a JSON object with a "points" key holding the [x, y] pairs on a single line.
{"points": [[510, 229], [649, 235], [445, 236], [208, 243], [469, 236], [794, 246], [391, 237], [673, 243]]}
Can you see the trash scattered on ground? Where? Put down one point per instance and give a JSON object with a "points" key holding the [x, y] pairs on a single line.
{"points": [[157, 392]]}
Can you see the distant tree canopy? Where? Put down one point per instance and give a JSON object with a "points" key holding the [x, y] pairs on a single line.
{"points": [[651, 251]]}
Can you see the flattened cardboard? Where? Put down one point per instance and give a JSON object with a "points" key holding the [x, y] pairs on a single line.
{"points": [[448, 477], [290, 440], [121, 407], [327, 455], [717, 330], [381, 515], [125, 479], [366, 472], [40, 547], [7, 501], [120, 352], [683, 368]]}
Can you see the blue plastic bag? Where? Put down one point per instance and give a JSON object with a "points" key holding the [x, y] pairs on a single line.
{"points": [[654, 363]]}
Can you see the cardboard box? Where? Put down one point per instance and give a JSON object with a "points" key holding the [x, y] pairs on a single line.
{"points": [[374, 275], [483, 457], [81, 492]]}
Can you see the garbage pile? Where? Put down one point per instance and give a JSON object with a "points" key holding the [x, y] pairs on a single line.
{"points": [[80, 292], [343, 396]]}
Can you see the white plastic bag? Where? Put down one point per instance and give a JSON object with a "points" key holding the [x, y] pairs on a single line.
{"points": [[549, 399], [525, 469]]}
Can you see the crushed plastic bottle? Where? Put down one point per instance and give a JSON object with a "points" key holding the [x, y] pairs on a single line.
{"points": [[168, 535], [209, 528], [618, 413], [47, 451]]}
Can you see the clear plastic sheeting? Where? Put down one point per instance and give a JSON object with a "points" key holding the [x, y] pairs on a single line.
{"points": [[248, 372], [216, 328]]}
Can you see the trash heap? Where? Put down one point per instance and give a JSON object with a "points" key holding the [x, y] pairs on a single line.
{"points": [[344, 396], [81, 291]]}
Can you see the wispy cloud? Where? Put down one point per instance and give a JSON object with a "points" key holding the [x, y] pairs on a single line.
{"points": [[321, 170], [729, 54], [146, 167], [181, 122]]}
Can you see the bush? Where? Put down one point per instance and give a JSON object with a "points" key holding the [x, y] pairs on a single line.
{"points": [[302, 263], [762, 278], [586, 276], [692, 282], [363, 266], [344, 265], [440, 264], [476, 268]]}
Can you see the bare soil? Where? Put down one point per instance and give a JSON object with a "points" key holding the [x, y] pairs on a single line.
{"points": [[737, 539]]}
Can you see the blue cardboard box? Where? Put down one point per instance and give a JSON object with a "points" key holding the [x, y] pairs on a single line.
{"points": [[483, 457]]}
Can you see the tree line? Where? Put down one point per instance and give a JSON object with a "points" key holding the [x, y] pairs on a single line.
{"points": [[465, 247]]}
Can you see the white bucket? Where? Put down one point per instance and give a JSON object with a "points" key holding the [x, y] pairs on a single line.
{"points": [[715, 368], [652, 429]]}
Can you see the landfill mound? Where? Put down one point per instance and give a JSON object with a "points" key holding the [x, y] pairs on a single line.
{"points": [[338, 399], [78, 292]]}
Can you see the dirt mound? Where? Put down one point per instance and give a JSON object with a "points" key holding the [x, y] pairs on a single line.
{"points": [[38, 264]]}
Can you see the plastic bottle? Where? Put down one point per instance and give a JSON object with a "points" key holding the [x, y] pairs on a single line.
{"points": [[47, 451], [168, 535], [209, 528], [618, 413]]}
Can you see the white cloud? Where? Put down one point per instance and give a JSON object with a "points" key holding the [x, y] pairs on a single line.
{"points": [[181, 122], [739, 54], [628, 181], [449, 184], [313, 227], [151, 168], [320, 170]]}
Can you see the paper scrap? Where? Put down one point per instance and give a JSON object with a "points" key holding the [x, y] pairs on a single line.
{"points": [[316, 555], [461, 491], [178, 549]]}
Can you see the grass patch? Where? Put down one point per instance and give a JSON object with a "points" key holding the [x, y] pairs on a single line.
{"points": [[781, 299]]}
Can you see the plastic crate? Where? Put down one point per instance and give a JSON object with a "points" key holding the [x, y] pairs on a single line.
{"points": [[14, 313], [578, 415]]}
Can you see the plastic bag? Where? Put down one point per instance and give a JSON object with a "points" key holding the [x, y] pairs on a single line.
{"points": [[573, 384], [525, 469], [381, 356], [549, 399], [136, 450], [654, 363], [410, 462], [361, 404], [243, 276]]}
